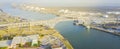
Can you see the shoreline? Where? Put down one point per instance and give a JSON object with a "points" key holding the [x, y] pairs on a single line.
{"points": [[8, 18], [65, 41], [107, 31], [102, 29], [98, 28]]}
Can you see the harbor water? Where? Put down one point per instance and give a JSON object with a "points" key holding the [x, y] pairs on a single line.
{"points": [[81, 38], [33, 16]]}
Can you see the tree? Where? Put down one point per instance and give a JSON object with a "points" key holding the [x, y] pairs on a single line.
{"points": [[35, 45]]}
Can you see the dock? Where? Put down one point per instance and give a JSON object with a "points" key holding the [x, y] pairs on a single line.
{"points": [[98, 28], [105, 30]]}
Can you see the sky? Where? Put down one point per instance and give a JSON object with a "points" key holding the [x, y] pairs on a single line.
{"points": [[67, 2]]}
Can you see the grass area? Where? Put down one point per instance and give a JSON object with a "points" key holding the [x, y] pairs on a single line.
{"points": [[28, 30], [66, 42], [18, 31], [3, 48], [2, 32]]}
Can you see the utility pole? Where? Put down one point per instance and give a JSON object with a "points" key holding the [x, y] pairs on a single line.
{"points": [[29, 27]]}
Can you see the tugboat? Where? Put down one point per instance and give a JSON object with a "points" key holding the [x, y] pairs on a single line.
{"points": [[88, 27], [77, 22]]}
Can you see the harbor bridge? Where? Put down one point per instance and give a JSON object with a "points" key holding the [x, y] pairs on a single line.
{"points": [[50, 23]]}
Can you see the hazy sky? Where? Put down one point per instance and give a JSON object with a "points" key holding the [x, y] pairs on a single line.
{"points": [[68, 2]]}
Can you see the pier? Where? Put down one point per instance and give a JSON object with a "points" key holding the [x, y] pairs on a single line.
{"points": [[105, 30]]}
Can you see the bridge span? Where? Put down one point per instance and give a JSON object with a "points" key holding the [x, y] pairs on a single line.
{"points": [[51, 23]]}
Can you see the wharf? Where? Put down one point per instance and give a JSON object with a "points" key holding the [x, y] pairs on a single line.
{"points": [[105, 30]]}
